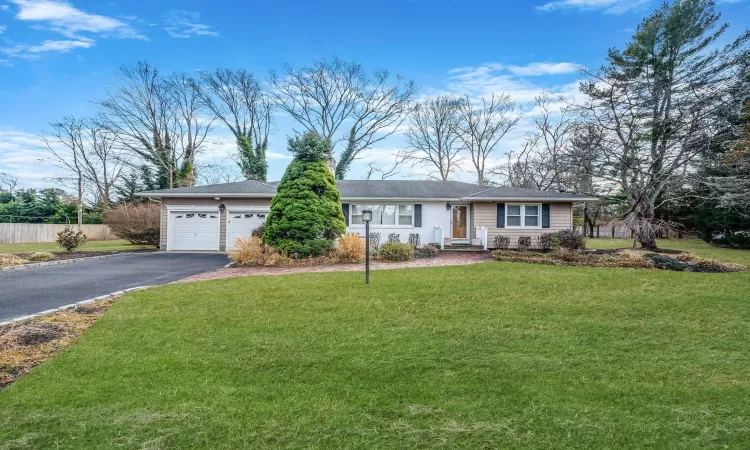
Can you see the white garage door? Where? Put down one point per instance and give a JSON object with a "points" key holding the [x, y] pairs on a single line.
{"points": [[241, 224], [194, 230]]}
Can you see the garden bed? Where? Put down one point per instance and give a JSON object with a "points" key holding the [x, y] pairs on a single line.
{"points": [[15, 259], [24, 345], [626, 258]]}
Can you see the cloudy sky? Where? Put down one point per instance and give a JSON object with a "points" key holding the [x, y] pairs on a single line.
{"points": [[56, 57]]}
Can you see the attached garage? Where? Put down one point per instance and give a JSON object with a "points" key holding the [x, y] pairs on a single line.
{"points": [[193, 230], [241, 224]]}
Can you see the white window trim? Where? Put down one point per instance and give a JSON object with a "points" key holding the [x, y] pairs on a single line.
{"points": [[380, 226], [523, 216]]}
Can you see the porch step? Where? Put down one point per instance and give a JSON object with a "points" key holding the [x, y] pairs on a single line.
{"points": [[464, 248]]}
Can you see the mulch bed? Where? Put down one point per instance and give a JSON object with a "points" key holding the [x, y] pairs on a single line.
{"points": [[24, 345], [83, 254]]}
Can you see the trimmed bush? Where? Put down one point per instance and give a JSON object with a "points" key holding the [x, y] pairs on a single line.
{"points": [[547, 241], [70, 240], [396, 251], [427, 251], [251, 252], [414, 240], [571, 240], [524, 243], [501, 242], [394, 237], [350, 248], [306, 215], [137, 223]]}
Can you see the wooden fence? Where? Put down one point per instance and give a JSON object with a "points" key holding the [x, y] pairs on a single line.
{"points": [[18, 233], [621, 231]]}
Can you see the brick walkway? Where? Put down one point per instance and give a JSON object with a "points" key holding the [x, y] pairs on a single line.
{"points": [[445, 259]]}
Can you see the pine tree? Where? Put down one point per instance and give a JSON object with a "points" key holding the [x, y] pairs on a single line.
{"points": [[306, 213]]}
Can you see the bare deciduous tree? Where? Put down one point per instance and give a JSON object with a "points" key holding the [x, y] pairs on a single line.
{"points": [[157, 120], [542, 163], [482, 127], [238, 100], [344, 105], [384, 171], [433, 136], [88, 151], [219, 172], [8, 182]]}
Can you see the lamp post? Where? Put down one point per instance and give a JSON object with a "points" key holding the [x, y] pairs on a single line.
{"points": [[366, 218]]}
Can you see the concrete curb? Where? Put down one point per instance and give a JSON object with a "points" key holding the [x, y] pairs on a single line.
{"points": [[66, 261], [73, 305]]}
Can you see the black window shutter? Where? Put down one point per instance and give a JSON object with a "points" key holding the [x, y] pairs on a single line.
{"points": [[545, 215], [345, 208], [417, 216], [501, 215]]}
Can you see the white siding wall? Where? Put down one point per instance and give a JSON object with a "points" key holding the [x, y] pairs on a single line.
{"points": [[433, 213]]}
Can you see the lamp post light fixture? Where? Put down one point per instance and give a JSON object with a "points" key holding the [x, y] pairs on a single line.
{"points": [[367, 218]]}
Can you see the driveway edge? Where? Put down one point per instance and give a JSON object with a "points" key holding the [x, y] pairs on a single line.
{"points": [[73, 305], [63, 261]]}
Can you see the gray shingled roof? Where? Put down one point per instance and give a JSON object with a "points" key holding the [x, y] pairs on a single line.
{"points": [[375, 189]]}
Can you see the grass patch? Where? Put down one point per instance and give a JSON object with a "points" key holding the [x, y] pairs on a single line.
{"points": [[696, 246], [90, 246], [492, 355]]}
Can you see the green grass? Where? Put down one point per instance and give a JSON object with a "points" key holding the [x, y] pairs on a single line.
{"points": [[494, 355], [700, 248], [91, 246]]}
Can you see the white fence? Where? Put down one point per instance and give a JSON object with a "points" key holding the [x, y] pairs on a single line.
{"points": [[18, 233]]}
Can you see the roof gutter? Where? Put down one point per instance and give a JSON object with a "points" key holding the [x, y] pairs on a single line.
{"points": [[529, 199], [202, 195]]}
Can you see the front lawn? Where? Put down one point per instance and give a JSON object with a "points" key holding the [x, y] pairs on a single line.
{"points": [[91, 246], [493, 355], [700, 248]]}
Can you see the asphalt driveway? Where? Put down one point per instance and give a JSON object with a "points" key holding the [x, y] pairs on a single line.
{"points": [[36, 289]]}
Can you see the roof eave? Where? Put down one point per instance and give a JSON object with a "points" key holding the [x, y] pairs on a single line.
{"points": [[202, 194], [530, 199]]}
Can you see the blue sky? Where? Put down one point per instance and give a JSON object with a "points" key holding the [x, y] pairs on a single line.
{"points": [[56, 57]]}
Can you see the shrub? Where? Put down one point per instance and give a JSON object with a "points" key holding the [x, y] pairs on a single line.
{"points": [[547, 241], [524, 243], [666, 263], [740, 239], [252, 252], [427, 251], [41, 256], [396, 251], [306, 215], [350, 248], [375, 241], [571, 240], [137, 223], [258, 232], [7, 260], [414, 240], [501, 242], [69, 239], [394, 237]]}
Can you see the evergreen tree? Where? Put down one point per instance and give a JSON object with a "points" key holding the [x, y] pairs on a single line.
{"points": [[306, 213]]}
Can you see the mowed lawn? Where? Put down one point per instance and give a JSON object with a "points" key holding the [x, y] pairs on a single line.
{"points": [[494, 355], [90, 246]]}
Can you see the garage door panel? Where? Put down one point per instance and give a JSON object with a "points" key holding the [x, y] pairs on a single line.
{"points": [[242, 224], [197, 230]]}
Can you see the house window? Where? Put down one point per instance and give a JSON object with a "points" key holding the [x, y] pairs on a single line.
{"points": [[384, 215], [523, 215]]}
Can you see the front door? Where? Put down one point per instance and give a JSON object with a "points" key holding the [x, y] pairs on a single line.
{"points": [[459, 220]]}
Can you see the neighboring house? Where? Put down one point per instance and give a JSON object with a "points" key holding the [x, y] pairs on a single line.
{"points": [[213, 217]]}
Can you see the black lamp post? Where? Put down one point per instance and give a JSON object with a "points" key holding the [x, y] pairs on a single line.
{"points": [[366, 218]]}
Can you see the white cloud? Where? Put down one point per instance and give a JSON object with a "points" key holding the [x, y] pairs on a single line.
{"points": [[185, 24], [3, 7], [609, 6], [69, 21], [22, 156], [543, 68], [2, 29]]}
